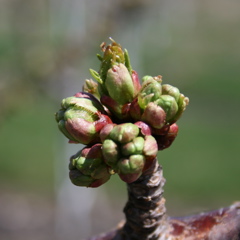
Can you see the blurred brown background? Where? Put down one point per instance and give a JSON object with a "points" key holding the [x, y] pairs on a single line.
{"points": [[46, 49]]}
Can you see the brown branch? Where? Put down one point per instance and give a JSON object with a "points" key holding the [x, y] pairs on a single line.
{"points": [[222, 224], [146, 217]]}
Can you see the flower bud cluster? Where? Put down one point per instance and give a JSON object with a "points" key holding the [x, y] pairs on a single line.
{"points": [[81, 118], [87, 167], [117, 83], [158, 105], [122, 122], [126, 149]]}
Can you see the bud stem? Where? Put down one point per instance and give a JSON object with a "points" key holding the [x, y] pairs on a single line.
{"points": [[145, 209]]}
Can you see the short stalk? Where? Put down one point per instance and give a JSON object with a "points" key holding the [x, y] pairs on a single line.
{"points": [[145, 210]]}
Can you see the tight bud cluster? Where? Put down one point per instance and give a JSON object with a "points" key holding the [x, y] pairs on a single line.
{"points": [[87, 167], [126, 150], [123, 122]]}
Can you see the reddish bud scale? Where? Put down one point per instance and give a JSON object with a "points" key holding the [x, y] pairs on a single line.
{"points": [[105, 131], [166, 140], [103, 120], [136, 82], [145, 129], [114, 69], [125, 111], [97, 183], [108, 101], [162, 131], [135, 110], [83, 95], [129, 178], [93, 152], [111, 104]]}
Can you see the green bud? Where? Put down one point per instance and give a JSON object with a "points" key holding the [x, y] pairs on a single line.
{"points": [[132, 165], [81, 118], [87, 167], [128, 149], [124, 133], [88, 102], [169, 105], [134, 147], [110, 152], [131, 169], [150, 91], [157, 105], [150, 78], [119, 84], [113, 54], [170, 90], [182, 104]]}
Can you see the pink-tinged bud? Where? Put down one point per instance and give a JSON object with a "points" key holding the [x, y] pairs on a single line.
{"points": [[157, 105], [111, 153], [87, 167], [182, 104], [169, 105], [81, 118], [149, 151], [105, 131], [150, 148], [131, 169], [119, 84], [124, 133], [128, 149], [154, 115], [150, 91]]}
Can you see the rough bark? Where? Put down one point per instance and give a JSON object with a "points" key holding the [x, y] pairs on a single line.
{"points": [[145, 209], [146, 217]]}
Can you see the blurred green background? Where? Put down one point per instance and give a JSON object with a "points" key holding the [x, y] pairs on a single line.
{"points": [[46, 49]]}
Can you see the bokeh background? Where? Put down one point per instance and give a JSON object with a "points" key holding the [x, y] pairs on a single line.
{"points": [[46, 49]]}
